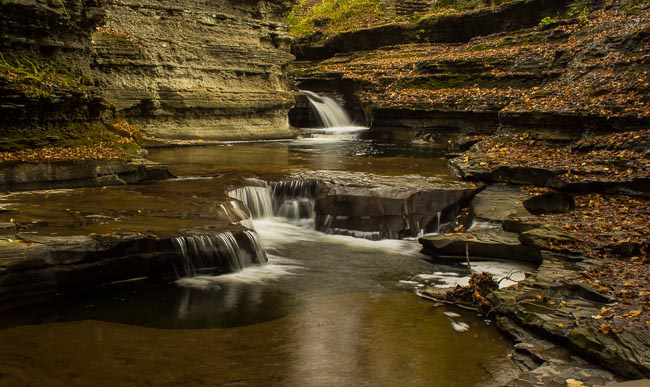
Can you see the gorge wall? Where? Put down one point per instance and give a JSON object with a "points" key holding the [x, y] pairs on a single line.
{"points": [[526, 66], [205, 70], [209, 70], [46, 83]]}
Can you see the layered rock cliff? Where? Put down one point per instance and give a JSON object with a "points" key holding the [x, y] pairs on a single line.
{"points": [[46, 84], [206, 70], [209, 70]]}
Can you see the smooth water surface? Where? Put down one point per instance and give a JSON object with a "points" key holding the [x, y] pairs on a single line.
{"points": [[325, 311], [278, 159]]}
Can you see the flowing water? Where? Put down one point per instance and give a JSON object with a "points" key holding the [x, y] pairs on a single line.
{"points": [[325, 310]]}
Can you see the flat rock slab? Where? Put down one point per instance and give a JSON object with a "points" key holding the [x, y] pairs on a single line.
{"points": [[385, 206], [23, 176], [499, 203], [543, 363], [492, 243], [551, 178]]}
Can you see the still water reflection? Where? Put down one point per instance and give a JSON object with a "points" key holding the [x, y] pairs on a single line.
{"points": [[326, 311], [281, 158]]}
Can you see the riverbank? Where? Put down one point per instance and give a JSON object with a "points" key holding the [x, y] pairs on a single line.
{"points": [[590, 292], [558, 111]]}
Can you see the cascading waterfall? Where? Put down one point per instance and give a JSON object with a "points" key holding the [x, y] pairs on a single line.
{"points": [[292, 199], [335, 120], [329, 111], [295, 199], [209, 254], [257, 199]]}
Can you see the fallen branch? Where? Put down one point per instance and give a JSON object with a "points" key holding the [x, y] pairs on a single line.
{"points": [[462, 306]]}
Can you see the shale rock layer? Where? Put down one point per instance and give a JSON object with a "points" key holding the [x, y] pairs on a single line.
{"points": [[208, 70]]}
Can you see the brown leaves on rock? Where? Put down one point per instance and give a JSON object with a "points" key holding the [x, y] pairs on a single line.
{"points": [[102, 150], [595, 68], [480, 285], [613, 157], [601, 224]]}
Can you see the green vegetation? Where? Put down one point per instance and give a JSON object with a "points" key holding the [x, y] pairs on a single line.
{"points": [[579, 9], [329, 17], [39, 77], [545, 22], [333, 16]]}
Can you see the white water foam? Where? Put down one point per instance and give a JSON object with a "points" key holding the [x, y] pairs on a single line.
{"points": [[276, 232], [507, 273], [276, 268]]}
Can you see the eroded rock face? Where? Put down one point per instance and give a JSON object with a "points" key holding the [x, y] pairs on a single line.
{"points": [[511, 73], [209, 70]]}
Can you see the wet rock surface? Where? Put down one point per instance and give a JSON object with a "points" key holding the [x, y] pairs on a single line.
{"points": [[378, 207], [19, 176], [499, 203], [482, 244], [68, 240], [571, 299]]}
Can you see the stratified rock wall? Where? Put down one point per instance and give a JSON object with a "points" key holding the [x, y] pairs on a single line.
{"points": [[205, 70], [45, 77]]}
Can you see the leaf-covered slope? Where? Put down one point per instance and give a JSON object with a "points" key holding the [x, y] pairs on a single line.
{"points": [[595, 65]]}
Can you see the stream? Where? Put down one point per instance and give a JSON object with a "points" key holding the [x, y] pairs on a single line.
{"points": [[326, 310]]}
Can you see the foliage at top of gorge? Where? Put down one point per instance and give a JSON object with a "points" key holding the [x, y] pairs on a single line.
{"points": [[591, 61], [329, 17]]}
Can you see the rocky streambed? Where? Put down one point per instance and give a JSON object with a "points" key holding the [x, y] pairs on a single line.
{"points": [[585, 223], [60, 240]]}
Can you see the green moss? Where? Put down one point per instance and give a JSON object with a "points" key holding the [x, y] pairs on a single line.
{"points": [[39, 77], [70, 135], [333, 16]]}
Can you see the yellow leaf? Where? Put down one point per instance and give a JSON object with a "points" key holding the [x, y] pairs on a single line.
{"points": [[559, 325], [605, 329], [635, 313], [574, 383]]}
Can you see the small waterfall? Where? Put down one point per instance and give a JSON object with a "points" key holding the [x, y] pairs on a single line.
{"points": [[337, 125], [329, 111], [257, 199], [292, 199], [209, 254]]}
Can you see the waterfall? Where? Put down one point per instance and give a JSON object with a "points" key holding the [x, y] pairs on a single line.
{"points": [[257, 199], [336, 122], [292, 199], [329, 111], [209, 254]]}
